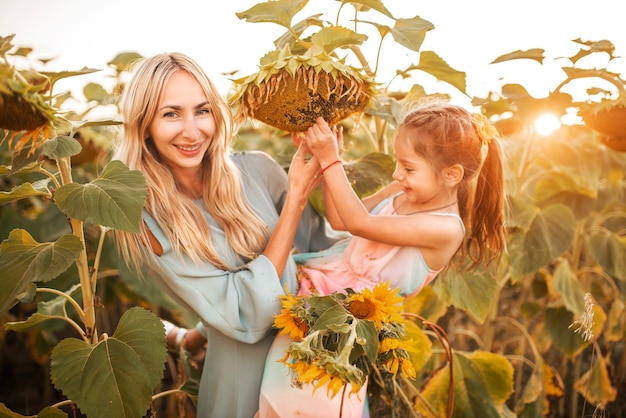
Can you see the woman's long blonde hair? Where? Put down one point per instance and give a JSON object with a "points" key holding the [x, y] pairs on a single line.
{"points": [[182, 221]]}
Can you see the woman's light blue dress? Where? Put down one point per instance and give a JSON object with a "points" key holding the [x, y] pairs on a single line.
{"points": [[237, 308]]}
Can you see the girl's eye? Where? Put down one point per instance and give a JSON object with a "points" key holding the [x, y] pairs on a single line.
{"points": [[169, 114], [204, 111]]}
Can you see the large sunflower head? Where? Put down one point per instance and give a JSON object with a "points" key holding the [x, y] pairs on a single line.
{"points": [[291, 91], [24, 114]]}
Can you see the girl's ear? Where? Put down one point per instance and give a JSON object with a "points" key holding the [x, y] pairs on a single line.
{"points": [[453, 174]]}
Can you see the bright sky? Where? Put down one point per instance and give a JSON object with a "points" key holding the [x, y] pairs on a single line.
{"points": [[468, 35]]}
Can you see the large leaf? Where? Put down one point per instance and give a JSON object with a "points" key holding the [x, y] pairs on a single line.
{"points": [[367, 175], [557, 183], [60, 147], [426, 304], [422, 344], [372, 4], [542, 384], [410, 33], [434, 65], [280, 12], [567, 285], [550, 234], [366, 331], [334, 37], [114, 199], [481, 382], [472, 292], [24, 261], [532, 54], [331, 318], [47, 412], [115, 377], [56, 76], [26, 190], [52, 309], [609, 251], [563, 336], [595, 385]]}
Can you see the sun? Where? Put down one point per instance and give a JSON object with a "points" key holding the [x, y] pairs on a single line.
{"points": [[546, 124]]}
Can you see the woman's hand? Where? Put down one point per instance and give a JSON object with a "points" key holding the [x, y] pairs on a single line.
{"points": [[304, 173], [324, 142]]}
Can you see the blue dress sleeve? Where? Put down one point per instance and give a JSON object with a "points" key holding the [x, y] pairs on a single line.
{"points": [[238, 304], [313, 232]]}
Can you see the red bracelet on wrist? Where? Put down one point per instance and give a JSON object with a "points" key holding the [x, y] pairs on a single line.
{"points": [[330, 165]]}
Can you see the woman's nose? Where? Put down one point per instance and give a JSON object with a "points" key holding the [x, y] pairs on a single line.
{"points": [[190, 127]]}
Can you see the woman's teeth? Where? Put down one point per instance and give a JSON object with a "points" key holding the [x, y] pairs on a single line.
{"points": [[188, 147]]}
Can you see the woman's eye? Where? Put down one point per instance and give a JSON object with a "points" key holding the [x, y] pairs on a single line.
{"points": [[204, 111], [169, 114]]}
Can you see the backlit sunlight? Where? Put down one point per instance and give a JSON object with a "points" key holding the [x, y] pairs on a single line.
{"points": [[546, 124]]}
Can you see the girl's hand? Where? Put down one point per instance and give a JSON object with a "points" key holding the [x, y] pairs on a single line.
{"points": [[324, 143]]}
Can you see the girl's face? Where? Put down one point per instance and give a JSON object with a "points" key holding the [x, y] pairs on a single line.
{"points": [[421, 183], [183, 124]]}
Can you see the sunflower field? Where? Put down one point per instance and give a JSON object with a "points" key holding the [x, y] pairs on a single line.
{"points": [[542, 334]]}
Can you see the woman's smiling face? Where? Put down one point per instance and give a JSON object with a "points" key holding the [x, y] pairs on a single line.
{"points": [[183, 124]]}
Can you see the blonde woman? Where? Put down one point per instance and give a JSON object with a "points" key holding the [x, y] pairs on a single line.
{"points": [[218, 226]]}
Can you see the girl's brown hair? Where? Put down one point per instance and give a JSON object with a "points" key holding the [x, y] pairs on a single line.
{"points": [[446, 135]]}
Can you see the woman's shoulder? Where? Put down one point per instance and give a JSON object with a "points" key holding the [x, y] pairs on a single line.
{"points": [[254, 159]]}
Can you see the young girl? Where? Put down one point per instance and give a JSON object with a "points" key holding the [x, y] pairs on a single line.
{"points": [[448, 174]]}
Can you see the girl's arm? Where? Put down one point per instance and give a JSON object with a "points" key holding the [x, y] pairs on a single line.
{"points": [[431, 233], [370, 202], [390, 189]]}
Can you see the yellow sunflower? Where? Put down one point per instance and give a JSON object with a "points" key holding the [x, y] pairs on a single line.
{"points": [[392, 303], [364, 306], [380, 304], [335, 383], [289, 301], [407, 369], [291, 324], [398, 351], [334, 378], [388, 344]]}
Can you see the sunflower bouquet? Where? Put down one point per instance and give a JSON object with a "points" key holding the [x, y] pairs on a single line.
{"points": [[340, 338]]}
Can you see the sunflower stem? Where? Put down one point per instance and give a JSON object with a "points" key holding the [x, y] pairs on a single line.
{"points": [[344, 356]]}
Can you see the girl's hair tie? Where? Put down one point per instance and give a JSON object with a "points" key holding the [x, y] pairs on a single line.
{"points": [[486, 131]]}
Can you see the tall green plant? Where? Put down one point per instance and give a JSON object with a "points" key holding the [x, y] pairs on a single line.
{"points": [[104, 375]]}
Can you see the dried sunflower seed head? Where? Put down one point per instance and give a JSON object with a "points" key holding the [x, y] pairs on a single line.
{"points": [[293, 91]]}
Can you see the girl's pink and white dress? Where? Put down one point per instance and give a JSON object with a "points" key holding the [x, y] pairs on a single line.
{"points": [[355, 263]]}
